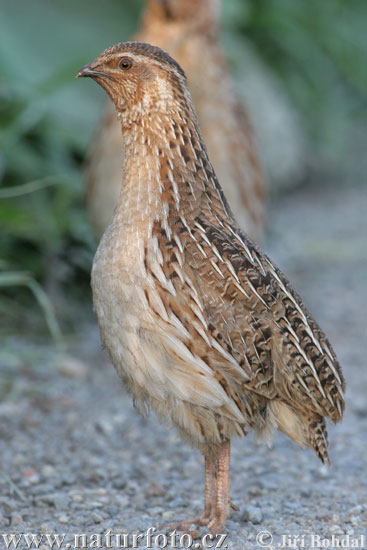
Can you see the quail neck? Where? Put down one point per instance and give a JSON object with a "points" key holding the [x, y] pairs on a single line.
{"points": [[167, 173]]}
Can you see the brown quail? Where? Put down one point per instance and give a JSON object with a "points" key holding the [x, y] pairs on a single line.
{"points": [[199, 323], [189, 31]]}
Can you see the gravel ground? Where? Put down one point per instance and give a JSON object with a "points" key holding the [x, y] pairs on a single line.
{"points": [[76, 457]]}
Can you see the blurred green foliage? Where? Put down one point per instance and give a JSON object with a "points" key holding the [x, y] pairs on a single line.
{"points": [[316, 47]]}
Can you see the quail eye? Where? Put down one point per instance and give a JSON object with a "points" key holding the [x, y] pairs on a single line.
{"points": [[125, 63]]}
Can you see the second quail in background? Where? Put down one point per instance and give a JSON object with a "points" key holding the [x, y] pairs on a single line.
{"points": [[189, 31]]}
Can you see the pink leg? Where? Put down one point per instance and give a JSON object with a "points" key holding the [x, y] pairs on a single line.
{"points": [[216, 494], [217, 523], [210, 489]]}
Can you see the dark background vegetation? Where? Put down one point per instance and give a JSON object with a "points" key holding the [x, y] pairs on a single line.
{"points": [[317, 48]]}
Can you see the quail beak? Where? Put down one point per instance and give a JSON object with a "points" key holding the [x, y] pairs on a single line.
{"points": [[92, 71]]}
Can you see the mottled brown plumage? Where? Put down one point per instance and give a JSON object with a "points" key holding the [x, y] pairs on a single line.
{"points": [[188, 30], [199, 323]]}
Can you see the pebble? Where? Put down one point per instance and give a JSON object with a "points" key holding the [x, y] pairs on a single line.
{"points": [[8, 504], [355, 520], [255, 491], [46, 528], [123, 500], [97, 518], [72, 367], [104, 426], [336, 530], [253, 514], [168, 514], [16, 519], [33, 479], [47, 470], [356, 510], [156, 511], [94, 504], [155, 490], [323, 472]]}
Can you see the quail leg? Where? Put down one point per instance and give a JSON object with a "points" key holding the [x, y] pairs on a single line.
{"points": [[218, 519], [216, 494], [210, 489], [209, 498]]}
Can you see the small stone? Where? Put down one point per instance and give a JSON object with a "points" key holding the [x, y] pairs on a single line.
{"points": [[169, 514], [4, 521], [255, 491], [94, 504], [16, 519], [72, 367], [336, 530], [156, 511], [77, 498], [323, 472], [19, 459], [123, 500], [253, 514], [45, 528], [42, 489], [104, 426], [119, 484], [48, 470], [31, 479], [155, 490], [356, 510], [63, 519], [57, 500], [97, 518], [8, 504], [355, 520]]}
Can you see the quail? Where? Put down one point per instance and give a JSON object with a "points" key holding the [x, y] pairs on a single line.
{"points": [[189, 31], [199, 323]]}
